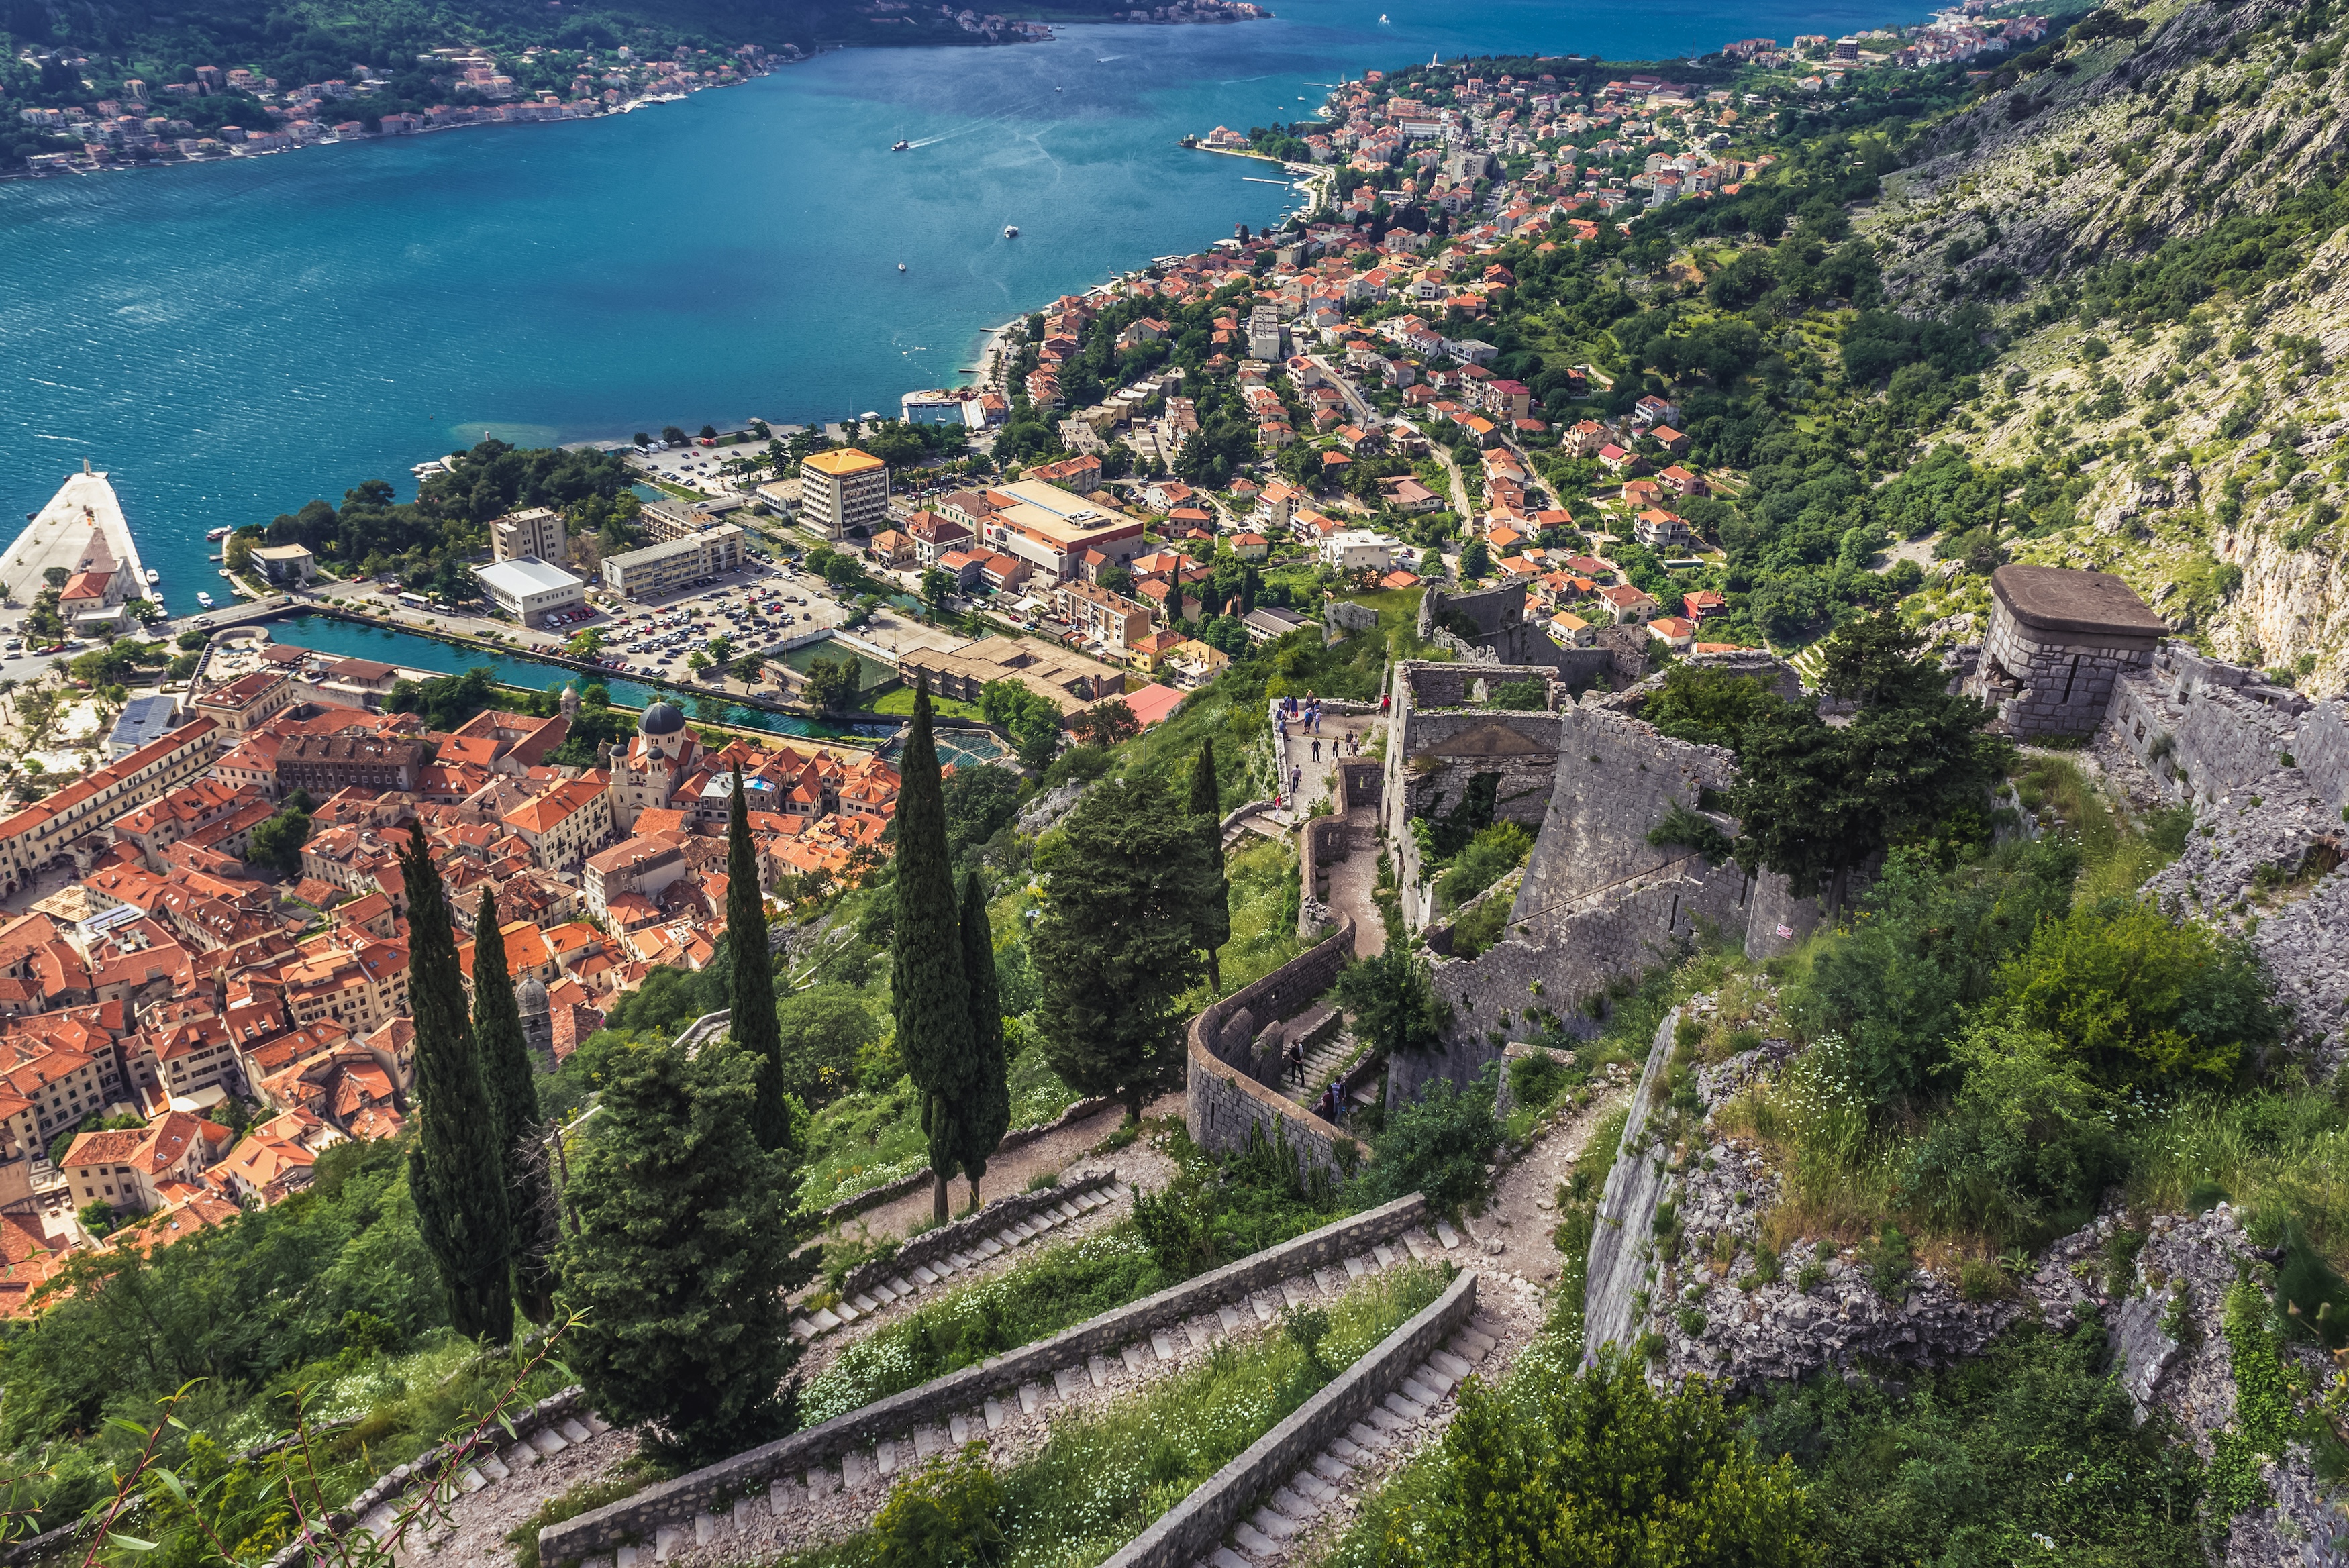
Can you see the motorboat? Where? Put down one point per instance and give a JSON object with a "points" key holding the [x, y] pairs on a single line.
{"points": [[205, 599], [1010, 230], [901, 266], [153, 576], [902, 147], [217, 533]]}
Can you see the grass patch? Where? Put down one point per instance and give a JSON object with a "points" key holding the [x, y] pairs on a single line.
{"points": [[1103, 1477], [869, 1139], [1262, 876], [900, 703], [2278, 1158]]}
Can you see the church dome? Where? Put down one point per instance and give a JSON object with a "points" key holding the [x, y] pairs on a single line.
{"points": [[530, 996], [661, 718]]}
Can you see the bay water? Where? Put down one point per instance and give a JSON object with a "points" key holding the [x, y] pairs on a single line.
{"points": [[230, 340]]}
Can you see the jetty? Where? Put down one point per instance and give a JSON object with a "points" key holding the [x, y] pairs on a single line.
{"points": [[82, 524]]}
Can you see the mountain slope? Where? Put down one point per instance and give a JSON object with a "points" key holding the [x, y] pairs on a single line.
{"points": [[2154, 222]]}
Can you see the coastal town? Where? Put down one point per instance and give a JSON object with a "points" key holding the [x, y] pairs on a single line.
{"points": [[230, 1011]]}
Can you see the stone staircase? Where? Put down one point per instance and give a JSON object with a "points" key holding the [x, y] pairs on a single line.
{"points": [[884, 1294], [1327, 1052], [827, 1503], [1269, 1534], [483, 1474]]}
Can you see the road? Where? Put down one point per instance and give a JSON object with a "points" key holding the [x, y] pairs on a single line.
{"points": [[1365, 415]]}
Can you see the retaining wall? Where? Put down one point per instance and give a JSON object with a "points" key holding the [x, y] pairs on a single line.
{"points": [[1190, 1531], [1615, 1269], [890, 1192], [1226, 1084], [674, 1504], [931, 1244]]}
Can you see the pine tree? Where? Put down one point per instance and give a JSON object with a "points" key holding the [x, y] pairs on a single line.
{"points": [[752, 994], [1212, 926], [679, 1261], [1114, 949], [927, 980], [454, 1171], [512, 1083], [984, 1108]]}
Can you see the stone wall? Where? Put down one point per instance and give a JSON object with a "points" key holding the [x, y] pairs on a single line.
{"points": [[966, 1232], [1191, 1531], [1616, 1266], [673, 1504], [1503, 636], [1226, 1092]]}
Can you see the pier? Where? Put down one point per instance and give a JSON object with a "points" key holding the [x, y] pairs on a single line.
{"points": [[85, 511]]}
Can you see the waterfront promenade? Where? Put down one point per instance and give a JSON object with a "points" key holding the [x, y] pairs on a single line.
{"points": [[61, 533]]}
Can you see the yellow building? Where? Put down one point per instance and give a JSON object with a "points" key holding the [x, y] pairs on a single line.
{"points": [[843, 489]]}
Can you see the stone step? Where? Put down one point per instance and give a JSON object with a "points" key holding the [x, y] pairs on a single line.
{"points": [[1451, 1365], [574, 1430], [1255, 1541], [666, 1543], [519, 1457], [1486, 1327], [549, 1441], [1446, 1234], [748, 1509], [1416, 1243], [709, 1527], [1404, 1406], [1469, 1342], [1225, 1557], [1331, 1468], [1421, 1390], [494, 1468], [598, 1424], [1347, 1451], [1372, 1439], [1273, 1524], [1294, 1503]]}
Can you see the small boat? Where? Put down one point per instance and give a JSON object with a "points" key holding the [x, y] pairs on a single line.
{"points": [[1056, 89], [1010, 230], [902, 147], [224, 572], [901, 266], [217, 533], [153, 576], [205, 599]]}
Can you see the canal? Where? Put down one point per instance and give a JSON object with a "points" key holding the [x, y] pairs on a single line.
{"points": [[409, 651]]}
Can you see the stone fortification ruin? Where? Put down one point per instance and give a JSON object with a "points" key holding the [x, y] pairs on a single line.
{"points": [[2059, 643], [2069, 654]]}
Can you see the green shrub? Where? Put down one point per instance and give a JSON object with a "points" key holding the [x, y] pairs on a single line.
{"points": [[2026, 1147], [947, 1514], [1891, 1263], [1492, 854], [1536, 1080], [1601, 1469], [2138, 996], [1987, 1463], [1439, 1145], [1927, 947]]}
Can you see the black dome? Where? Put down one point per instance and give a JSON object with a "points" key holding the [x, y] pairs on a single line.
{"points": [[660, 718]]}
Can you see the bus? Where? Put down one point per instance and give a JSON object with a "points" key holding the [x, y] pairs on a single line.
{"points": [[415, 601]]}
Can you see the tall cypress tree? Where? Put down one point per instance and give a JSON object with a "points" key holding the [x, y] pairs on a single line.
{"points": [[1212, 926], [679, 1263], [752, 994], [931, 992], [454, 1171], [512, 1085], [984, 1108]]}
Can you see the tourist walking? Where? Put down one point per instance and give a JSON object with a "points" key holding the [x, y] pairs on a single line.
{"points": [[1296, 1061], [1317, 751]]}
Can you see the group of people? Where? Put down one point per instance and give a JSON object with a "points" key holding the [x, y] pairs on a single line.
{"points": [[1331, 1105], [1306, 714]]}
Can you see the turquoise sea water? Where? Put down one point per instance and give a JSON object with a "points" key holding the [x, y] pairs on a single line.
{"points": [[230, 340]]}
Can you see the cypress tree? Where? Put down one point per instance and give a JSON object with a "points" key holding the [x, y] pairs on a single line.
{"points": [[678, 1259], [1212, 927], [984, 1108], [752, 994], [512, 1085], [454, 1171], [930, 992]]}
